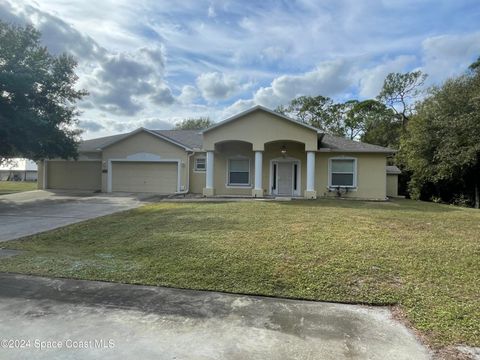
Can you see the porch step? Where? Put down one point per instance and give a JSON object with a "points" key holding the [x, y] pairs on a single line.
{"points": [[283, 198]]}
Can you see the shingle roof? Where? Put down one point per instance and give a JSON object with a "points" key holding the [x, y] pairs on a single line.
{"points": [[189, 138], [193, 139], [94, 144], [337, 143], [392, 169]]}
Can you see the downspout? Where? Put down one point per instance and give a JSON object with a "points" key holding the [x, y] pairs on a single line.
{"points": [[187, 188]]}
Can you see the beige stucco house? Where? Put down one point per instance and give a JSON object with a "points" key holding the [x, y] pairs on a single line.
{"points": [[255, 153]]}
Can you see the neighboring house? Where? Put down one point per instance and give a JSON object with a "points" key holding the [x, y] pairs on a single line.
{"points": [[255, 153], [18, 170], [392, 181]]}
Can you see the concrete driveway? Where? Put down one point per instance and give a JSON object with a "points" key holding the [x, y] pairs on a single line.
{"points": [[31, 212], [142, 322]]}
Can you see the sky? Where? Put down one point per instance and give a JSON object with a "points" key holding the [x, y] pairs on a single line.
{"points": [[152, 63]]}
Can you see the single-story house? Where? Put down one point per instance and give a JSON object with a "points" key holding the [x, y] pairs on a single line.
{"points": [[18, 169], [255, 153]]}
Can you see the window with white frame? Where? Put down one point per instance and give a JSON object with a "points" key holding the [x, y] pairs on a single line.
{"points": [[239, 172], [200, 164], [343, 173]]}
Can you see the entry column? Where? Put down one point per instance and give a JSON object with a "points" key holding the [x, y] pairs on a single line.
{"points": [[258, 189], [310, 192], [209, 183]]}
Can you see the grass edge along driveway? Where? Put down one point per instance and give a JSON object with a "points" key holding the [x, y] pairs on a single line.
{"points": [[421, 256]]}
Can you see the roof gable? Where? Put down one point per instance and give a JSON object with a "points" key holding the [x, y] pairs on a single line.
{"points": [[154, 133], [259, 108]]}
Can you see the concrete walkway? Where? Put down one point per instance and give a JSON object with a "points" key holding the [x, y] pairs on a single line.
{"points": [[31, 212], [141, 322]]}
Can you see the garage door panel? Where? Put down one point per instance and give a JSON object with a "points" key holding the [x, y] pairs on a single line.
{"points": [[145, 177], [74, 175]]}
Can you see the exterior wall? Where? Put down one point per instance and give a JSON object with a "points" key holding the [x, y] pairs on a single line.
{"points": [[222, 154], [40, 168], [294, 150], [371, 179], [392, 185], [234, 149], [259, 128], [197, 178], [144, 144]]}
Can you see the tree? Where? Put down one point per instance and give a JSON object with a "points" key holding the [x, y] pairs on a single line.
{"points": [[317, 111], [37, 98], [381, 125], [194, 124], [442, 144], [399, 92]]}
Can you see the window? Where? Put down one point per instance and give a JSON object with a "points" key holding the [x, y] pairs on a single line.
{"points": [[239, 172], [343, 172], [200, 164]]}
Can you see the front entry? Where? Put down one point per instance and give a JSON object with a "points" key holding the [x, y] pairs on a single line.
{"points": [[285, 177]]}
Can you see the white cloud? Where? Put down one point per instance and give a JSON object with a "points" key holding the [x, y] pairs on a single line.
{"points": [[448, 55], [329, 79], [211, 11], [370, 79], [217, 86], [188, 95]]}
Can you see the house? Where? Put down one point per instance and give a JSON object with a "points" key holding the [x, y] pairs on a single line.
{"points": [[255, 153], [18, 169]]}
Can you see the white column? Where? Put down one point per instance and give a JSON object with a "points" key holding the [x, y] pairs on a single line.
{"points": [[210, 170], [310, 171], [258, 170]]}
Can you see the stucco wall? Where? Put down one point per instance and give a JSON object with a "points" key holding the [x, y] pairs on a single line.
{"points": [[258, 128], [197, 178], [392, 185], [224, 152], [40, 175], [371, 177], [146, 143]]}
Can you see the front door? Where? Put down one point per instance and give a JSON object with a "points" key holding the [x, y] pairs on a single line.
{"points": [[285, 178]]}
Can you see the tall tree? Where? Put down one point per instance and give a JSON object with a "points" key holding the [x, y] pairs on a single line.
{"points": [[317, 111], [381, 125], [37, 98], [400, 91], [194, 124], [442, 144]]}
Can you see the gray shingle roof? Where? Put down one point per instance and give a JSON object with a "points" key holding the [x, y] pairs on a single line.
{"points": [[94, 144], [392, 169], [194, 140], [342, 144], [189, 138]]}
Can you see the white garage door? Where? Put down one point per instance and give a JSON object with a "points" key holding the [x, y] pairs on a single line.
{"points": [[154, 177]]}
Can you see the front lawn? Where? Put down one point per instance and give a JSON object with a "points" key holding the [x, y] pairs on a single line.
{"points": [[10, 187], [422, 256]]}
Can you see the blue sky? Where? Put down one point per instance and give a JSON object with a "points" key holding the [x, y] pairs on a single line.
{"points": [[152, 63]]}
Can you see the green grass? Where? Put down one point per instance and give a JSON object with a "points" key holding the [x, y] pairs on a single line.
{"points": [[10, 187], [422, 256]]}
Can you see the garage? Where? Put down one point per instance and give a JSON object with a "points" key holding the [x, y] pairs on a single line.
{"points": [[74, 175], [156, 177]]}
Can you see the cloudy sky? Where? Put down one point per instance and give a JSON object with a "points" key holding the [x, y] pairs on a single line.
{"points": [[154, 62]]}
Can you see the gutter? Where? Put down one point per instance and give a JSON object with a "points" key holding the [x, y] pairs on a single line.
{"points": [[187, 187]]}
